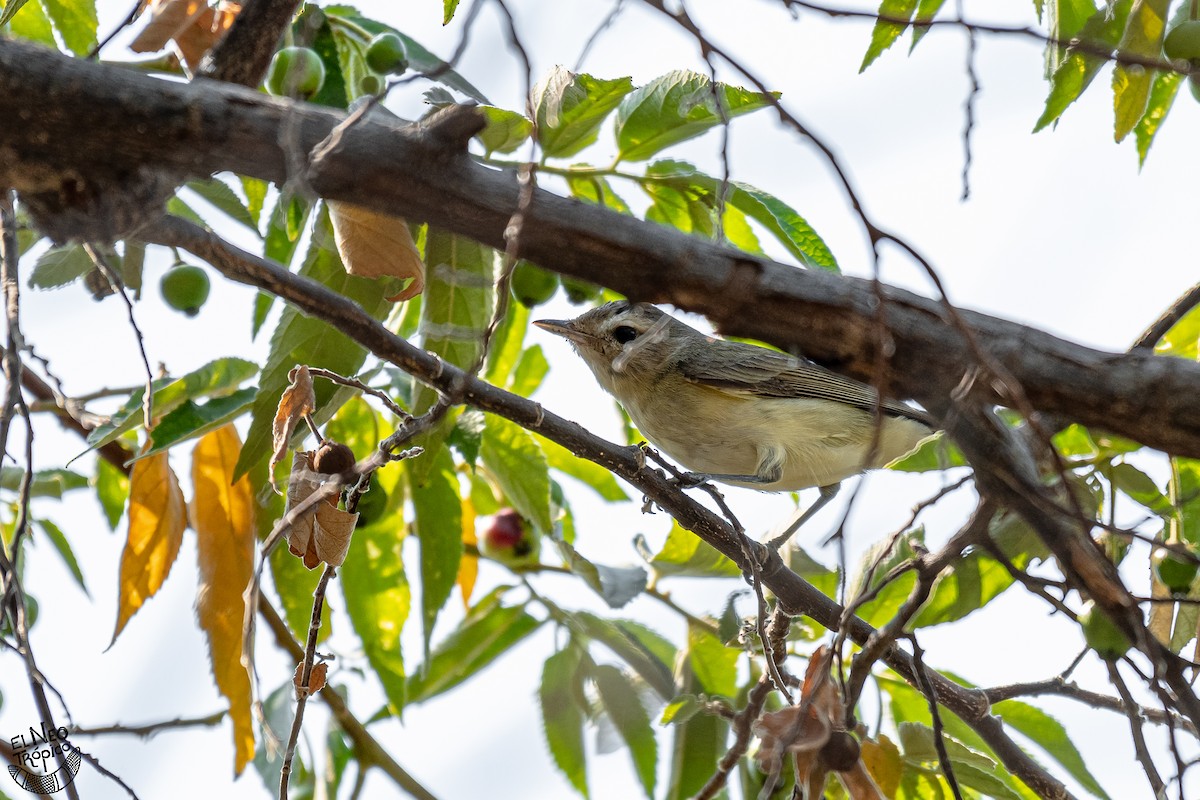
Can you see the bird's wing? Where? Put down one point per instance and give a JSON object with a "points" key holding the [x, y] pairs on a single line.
{"points": [[747, 369]]}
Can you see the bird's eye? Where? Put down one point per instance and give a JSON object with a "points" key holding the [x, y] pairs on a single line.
{"points": [[624, 334]]}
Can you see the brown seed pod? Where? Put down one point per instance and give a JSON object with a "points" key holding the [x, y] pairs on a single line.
{"points": [[333, 458], [841, 752]]}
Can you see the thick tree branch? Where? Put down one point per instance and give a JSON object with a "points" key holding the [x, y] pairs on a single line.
{"points": [[796, 595], [139, 122]]}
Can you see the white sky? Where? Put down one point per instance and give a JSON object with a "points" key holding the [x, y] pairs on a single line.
{"points": [[1061, 232]]}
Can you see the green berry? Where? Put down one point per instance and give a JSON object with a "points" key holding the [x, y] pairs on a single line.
{"points": [[296, 72], [185, 288], [531, 285], [371, 84], [1182, 42], [1175, 571], [579, 291], [386, 54], [372, 505], [1102, 634]]}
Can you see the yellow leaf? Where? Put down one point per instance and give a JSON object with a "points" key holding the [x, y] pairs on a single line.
{"points": [[375, 245], [157, 519], [468, 567], [223, 517]]}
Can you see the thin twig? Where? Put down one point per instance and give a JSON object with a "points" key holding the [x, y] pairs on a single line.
{"points": [[939, 740], [149, 729]]}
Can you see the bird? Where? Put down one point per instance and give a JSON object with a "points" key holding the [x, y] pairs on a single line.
{"points": [[738, 413]]}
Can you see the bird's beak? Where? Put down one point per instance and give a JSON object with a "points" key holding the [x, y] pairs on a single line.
{"points": [[562, 327]]}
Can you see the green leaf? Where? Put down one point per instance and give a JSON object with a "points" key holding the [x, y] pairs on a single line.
{"points": [[646, 653], [1073, 73], [1065, 20], [301, 339], [1162, 96], [1143, 36], [884, 34], [624, 707], [63, 547], [279, 245], [714, 664], [268, 755], [112, 490], [10, 10], [32, 25], [456, 309], [970, 584], [616, 585], [220, 195], [1140, 487], [698, 743], [519, 466], [562, 717], [1183, 339], [1049, 734], [45, 483], [438, 525], [255, 190], [876, 564], [589, 473], [530, 371], [191, 420], [685, 553], [506, 130], [570, 108], [676, 107], [597, 191], [935, 453], [448, 9], [217, 378], [820, 576], [75, 21], [467, 435], [489, 630], [926, 11], [378, 600], [506, 344], [1185, 496], [59, 266]]}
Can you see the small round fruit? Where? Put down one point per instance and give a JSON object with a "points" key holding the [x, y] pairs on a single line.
{"points": [[296, 71], [185, 288], [531, 285], [371, 84], [841, 752], [1182, 42], [372, 505], [1194, 85], [386, 54], [1175, 571], [506, 537], [1102, 634], [579, 291], [333, 458]]}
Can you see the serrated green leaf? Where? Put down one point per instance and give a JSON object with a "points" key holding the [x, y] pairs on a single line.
{"points": [[437, 522], [698, 743], [278, 246], [45, 483], [714, 664], [530, 371], [926, 11], [685, 553], [378, 599], [1049, 734], [31, 24], [738, 232], [59, 266], [255, 190], [624, 707], [301, 339], [112, 490], [885, 33], [489, 630], [680, 710], [562, 717], [63, 547], [519, 466], [217, 378], [75, 21], [589, 473], [448, 9], [570, 108], [615, 585], [178, 208], [456, 309], [968, 585], [467, 435], [1162, 97], [192, 419], [1143, 36], [1183, 339], [676, 107], [505, 131], [636, 646], [1140, 487], [351, 63], [1185, 498], [220, 195], [1073, 71], [597, 191]]}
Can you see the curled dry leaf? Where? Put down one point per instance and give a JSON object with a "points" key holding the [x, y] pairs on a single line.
{"points": [[374, 245], [316, 678], [296, 401], [322, 533], [194, 25]]}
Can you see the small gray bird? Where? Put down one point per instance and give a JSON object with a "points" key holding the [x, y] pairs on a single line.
{"points": [[737, 413]]}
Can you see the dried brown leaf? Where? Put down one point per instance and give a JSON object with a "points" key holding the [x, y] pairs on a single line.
{"points": [[296, 401], [322, 533], [374, 245], [316, 678], [193, 25]]}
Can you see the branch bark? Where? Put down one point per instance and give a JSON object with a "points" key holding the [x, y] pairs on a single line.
{"points": [[138, 123]]}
